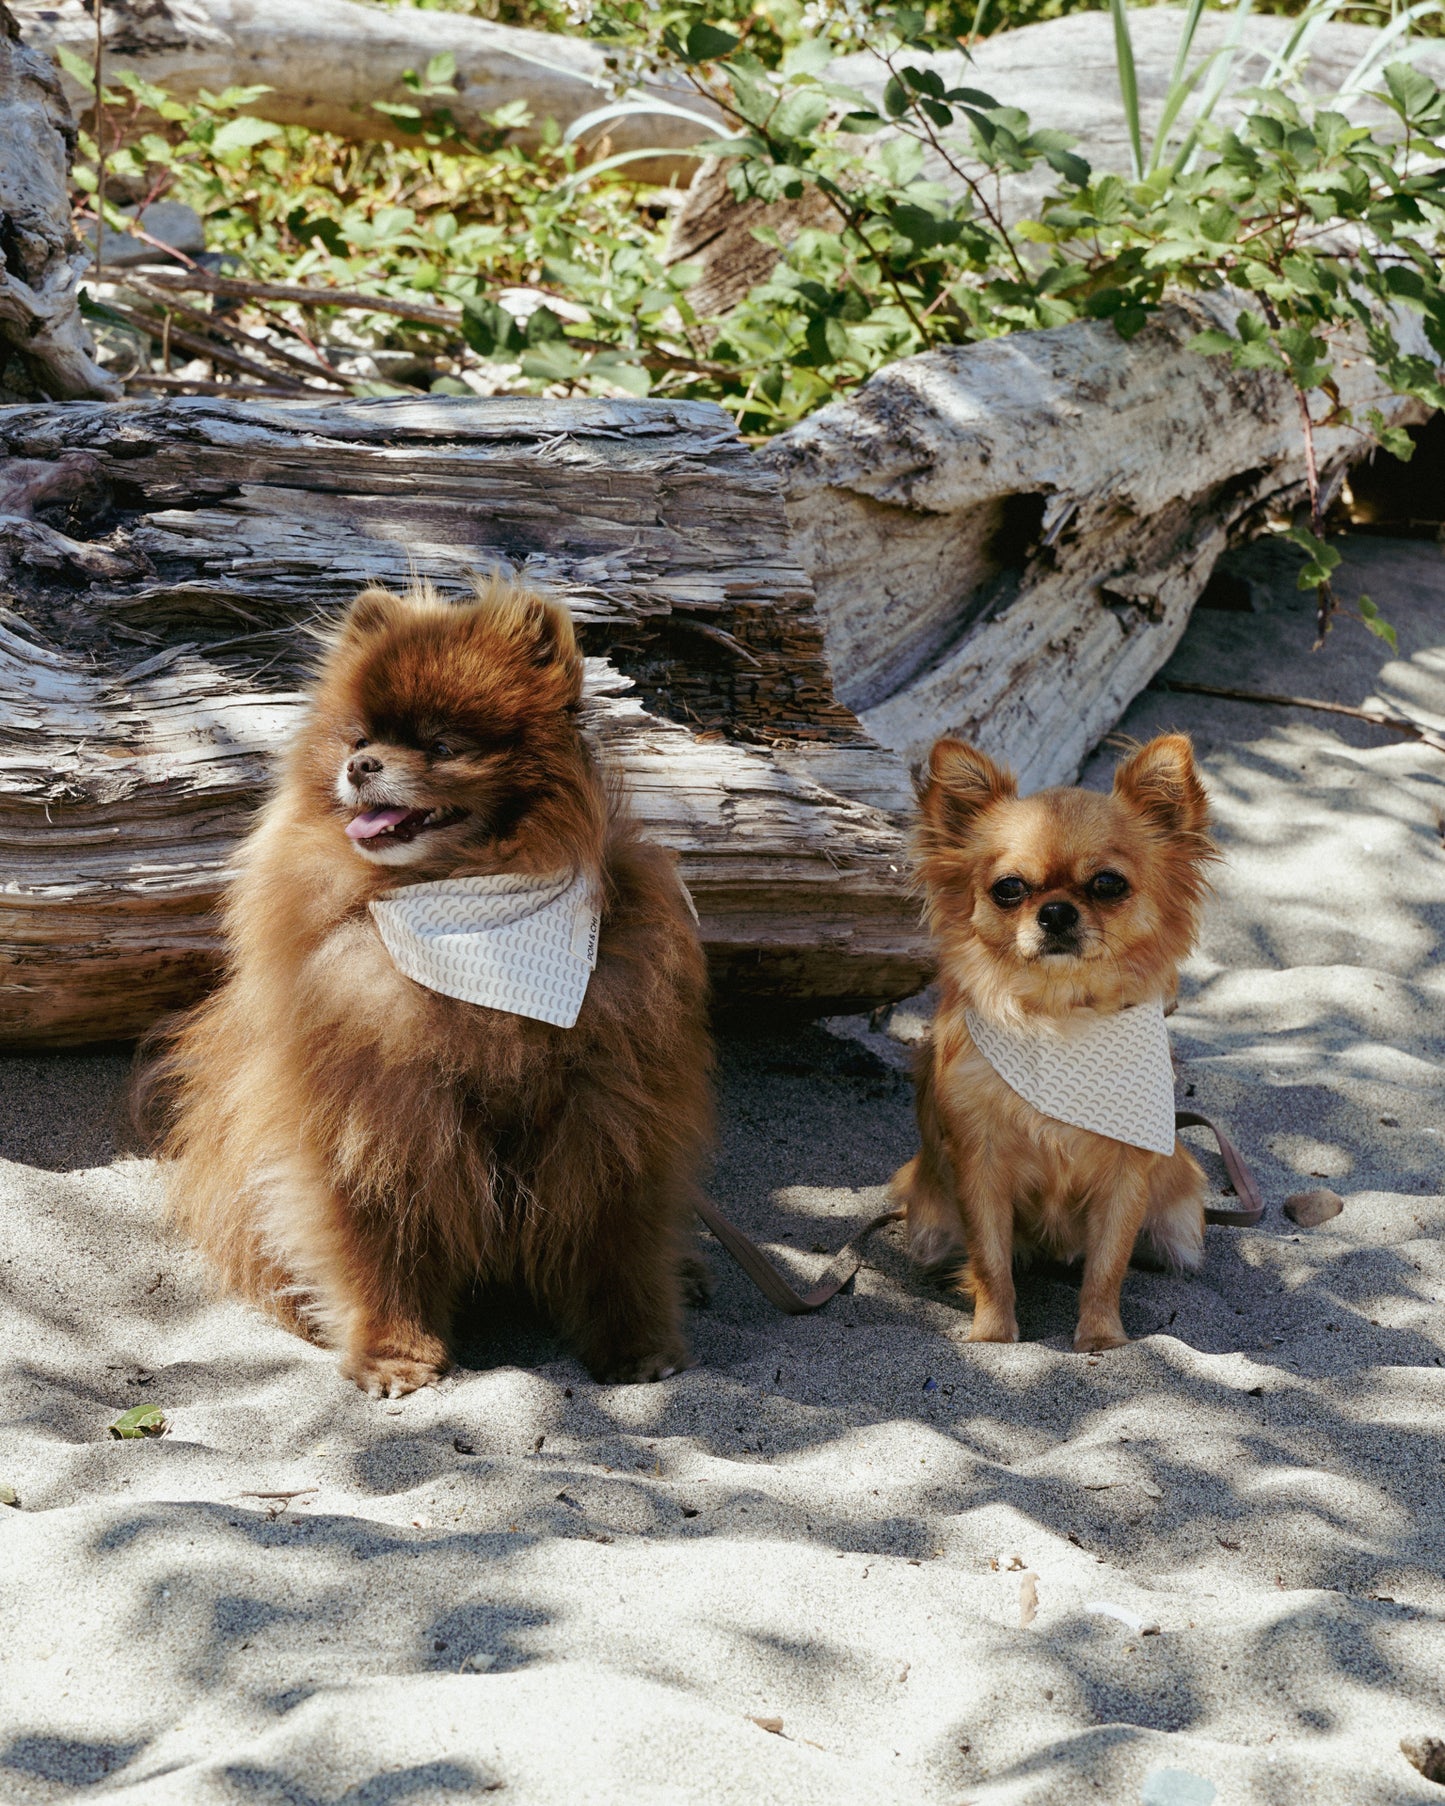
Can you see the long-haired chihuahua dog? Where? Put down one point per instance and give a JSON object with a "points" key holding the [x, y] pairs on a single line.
{"points": [[354, 1148], [1052, 915]]}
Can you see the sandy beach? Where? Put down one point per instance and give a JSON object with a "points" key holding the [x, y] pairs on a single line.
{"points": [[802, 1571]]}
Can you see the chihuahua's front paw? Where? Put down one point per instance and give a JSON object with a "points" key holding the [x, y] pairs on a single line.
{"points": [[1094, 1338], [392, 1373], [993, 1326]]}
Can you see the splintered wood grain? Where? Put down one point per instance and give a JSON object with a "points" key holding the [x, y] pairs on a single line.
{"points": [[154, 647]]}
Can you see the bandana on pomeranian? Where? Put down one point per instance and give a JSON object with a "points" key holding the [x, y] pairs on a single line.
{"points": [[356, 1149], [1052, 914]]}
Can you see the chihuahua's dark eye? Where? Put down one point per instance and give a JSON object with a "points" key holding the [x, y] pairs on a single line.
{"points": [[1108, 887], [440, 750], [1008, 893]]}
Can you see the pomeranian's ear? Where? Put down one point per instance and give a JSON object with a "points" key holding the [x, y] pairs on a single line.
{"points": [[1160, 781], [959, 784], [541, 628], [372, 609], [548, 626]]}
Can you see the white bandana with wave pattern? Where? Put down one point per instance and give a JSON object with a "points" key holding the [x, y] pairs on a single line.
{"points": [[514, 942], [1112, 1074]]}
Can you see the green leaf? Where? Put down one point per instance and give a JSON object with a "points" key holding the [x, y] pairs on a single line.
{"points": [[140, 1420], [488, 328], [241, 133], [553, 360], [320, 230], [895, 98], [1375, 623], [441, 71], [76, 67], [543, 326], [900, 160], [1411, 90], [1212, 343], [860, 122], [811, 57], [630, 377], [1322, 562], [1394, 439], [800, 114], [706, 43]]}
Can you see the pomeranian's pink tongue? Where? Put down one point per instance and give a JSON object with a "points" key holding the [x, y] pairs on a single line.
{"points": [[374, 821]]}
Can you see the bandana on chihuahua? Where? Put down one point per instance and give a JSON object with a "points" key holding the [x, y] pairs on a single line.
{"points": [[1113, 1076]]}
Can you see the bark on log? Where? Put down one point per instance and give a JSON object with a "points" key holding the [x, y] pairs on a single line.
{"points": [[1063, 73], [327, 62], [152, 648], [44, 347], [1007, 539]]}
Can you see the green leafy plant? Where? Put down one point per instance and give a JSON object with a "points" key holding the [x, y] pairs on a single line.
{"points": [[526, 268]]}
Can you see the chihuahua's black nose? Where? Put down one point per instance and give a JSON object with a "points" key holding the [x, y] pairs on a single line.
{"points": [[364, 765], [1058, 918]]}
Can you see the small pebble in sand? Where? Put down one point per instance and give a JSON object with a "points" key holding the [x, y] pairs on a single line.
{"points": [[1390, 1122], [1427, 1754], [1311, 1208]]}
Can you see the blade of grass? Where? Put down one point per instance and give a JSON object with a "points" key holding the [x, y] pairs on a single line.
{"points": [[1128, 82]]}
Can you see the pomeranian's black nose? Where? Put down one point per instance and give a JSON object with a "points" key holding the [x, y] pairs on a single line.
{"points": [[1058, 918], [364, 765]]}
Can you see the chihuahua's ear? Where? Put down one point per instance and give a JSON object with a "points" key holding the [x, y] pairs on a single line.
{"points": [[1160, 782], [959, 784], [373, 609]]}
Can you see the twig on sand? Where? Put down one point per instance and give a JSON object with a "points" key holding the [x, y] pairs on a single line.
{"points": [[1400, 724]]}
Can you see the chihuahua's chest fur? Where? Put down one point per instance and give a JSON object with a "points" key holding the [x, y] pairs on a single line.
{"points": [[1056, 1170]]}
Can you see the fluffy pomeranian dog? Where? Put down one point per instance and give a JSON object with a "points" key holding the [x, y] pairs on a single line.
{"points": [[355, 1149], [1052, 915]]}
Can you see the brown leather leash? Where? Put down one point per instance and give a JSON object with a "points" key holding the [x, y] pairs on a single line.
{"points": [[770, 1282], [1240, 1177], [846, 1262]]}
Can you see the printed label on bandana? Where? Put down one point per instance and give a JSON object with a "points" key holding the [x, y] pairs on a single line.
{"points": [[1113, 1075], [526, 945]]}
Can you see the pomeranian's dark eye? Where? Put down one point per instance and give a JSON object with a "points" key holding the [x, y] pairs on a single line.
{"points": [[1008, 893], [356, 745], [1108, 887], [440, 750]]}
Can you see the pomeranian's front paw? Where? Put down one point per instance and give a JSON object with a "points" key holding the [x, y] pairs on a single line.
{"points": [[1094, 1338], [388, 1373], [635, 1370]]}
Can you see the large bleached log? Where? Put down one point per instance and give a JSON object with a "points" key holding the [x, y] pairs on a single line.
{"points": [[167, 559], [44, 347], [1007, 538], [327, 63]]}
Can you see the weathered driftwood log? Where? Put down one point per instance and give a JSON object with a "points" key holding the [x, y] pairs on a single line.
{"points": [[1007, 538], [328, 62], [1064, 74], [167, 559], [44, 347]]}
